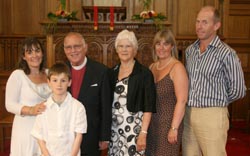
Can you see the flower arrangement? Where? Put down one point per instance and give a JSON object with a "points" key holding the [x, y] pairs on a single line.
{"points": [[62, 14], [147, 15]]}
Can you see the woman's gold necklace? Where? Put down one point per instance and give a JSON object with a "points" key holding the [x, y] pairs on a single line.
{"points": [[164, 66]]}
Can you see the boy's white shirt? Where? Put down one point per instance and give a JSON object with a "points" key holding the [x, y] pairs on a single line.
{"points": [[57, 125]]}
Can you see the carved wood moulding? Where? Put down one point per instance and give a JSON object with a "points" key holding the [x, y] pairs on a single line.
{"points": [[101, 42], [103, 27]]}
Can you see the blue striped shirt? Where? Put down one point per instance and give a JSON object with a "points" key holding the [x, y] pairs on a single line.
{"points": [[215, 76]]}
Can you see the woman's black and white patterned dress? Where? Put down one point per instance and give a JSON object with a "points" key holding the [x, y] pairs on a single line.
{"points": [[125, 125]]}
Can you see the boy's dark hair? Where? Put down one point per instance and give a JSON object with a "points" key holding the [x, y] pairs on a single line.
{"points": [[59, 68]]}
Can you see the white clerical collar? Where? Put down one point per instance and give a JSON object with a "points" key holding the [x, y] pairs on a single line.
{"points": [[80, 66]]}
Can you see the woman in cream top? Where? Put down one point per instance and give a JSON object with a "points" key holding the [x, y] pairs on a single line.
{"points": [[26, 90]]}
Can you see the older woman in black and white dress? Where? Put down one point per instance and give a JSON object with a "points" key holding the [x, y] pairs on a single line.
{"points": [[133, 101]]}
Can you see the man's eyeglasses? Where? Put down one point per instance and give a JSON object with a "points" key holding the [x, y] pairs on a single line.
{"points": [[75, 47]]}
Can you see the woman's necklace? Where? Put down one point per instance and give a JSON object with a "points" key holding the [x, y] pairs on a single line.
{"points": [[164, 66]]}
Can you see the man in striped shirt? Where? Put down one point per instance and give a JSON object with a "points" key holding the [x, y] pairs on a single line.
{"points": [[216, 80]]}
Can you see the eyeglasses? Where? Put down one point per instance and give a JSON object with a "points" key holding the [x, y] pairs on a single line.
{"points": [[75, 47], [119, 47]]}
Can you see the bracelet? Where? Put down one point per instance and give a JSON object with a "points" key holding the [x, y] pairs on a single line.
{"points": [[174, 129], [145, 132]]}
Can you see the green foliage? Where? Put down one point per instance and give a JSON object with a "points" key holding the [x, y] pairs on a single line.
{"points": [[63, 4], [161, 17], [136, 17], [146, 4]]}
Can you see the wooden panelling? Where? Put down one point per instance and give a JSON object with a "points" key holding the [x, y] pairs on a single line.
{"points": [[239, 23], [240, 107], [243, 51], [26, 15], [187, 12], [9, 53], [184, 14], [160, 6], [239, 9], [239, 27], [101, 42], [239, 1], [244, 57], [1, 15], [239, 39], [5, 16], [10, 47], [3, 79]]}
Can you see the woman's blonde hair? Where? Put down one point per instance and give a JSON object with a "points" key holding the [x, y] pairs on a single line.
{"points": [[168, 37]]}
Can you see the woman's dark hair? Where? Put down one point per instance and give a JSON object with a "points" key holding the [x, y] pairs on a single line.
{"points": [[28, 44]]}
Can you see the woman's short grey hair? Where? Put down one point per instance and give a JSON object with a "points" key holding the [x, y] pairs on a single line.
{"points": [[129, 35]]}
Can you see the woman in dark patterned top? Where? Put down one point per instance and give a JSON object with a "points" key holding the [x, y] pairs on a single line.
{"points": [[164, 135]]}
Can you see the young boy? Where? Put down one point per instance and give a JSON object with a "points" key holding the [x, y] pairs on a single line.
{"points": [[60, 127]]}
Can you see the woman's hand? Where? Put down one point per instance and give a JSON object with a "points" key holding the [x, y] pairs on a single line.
{"points": [[37, 109], [172, 136], [141, 142]]}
